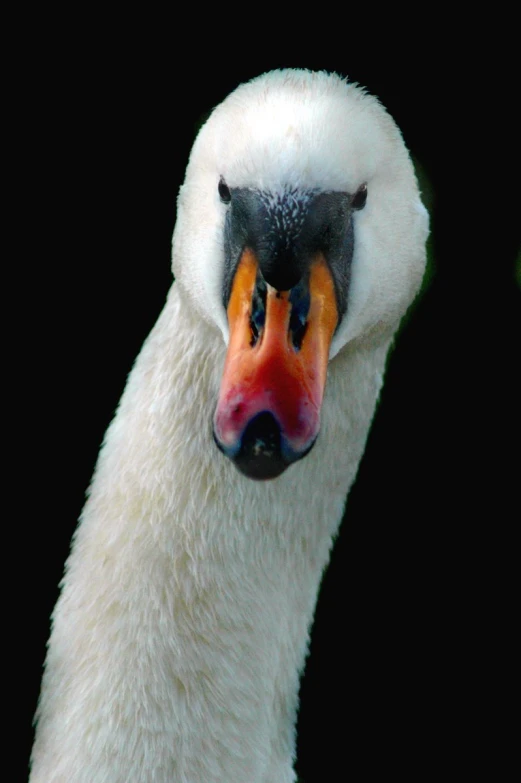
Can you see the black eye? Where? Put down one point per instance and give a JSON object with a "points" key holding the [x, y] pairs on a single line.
{"points": [[360, 197], [224, 191]]}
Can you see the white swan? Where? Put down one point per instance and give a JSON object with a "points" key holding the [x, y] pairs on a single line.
{"points": [[183, 622]]}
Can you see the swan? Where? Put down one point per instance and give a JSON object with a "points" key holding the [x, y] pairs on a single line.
{"points": [[183, 620]]}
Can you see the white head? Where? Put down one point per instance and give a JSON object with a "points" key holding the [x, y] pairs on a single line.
{"points": [[300, 132]]}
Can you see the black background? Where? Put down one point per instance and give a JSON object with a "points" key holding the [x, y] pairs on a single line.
{"points": [[409, 666]]}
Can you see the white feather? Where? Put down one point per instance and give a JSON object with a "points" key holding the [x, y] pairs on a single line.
{"points": [[183, 622]]}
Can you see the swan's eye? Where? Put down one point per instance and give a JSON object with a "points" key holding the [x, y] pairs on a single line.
{"points": [[360, 197], [224, 191]]}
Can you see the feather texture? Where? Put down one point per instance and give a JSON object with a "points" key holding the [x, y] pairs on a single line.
{"points": [[183, 622]]}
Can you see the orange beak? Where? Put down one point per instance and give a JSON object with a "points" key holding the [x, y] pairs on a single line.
{"points": [[268, 412]]}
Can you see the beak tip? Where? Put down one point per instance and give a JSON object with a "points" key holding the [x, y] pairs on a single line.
{"points": [[262, 451]]}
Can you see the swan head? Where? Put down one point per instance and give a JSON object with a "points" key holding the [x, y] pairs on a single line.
{"points": [[300, 229]]}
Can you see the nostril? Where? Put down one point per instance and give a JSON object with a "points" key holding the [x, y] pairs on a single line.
{"points": [[258, 309], [298, 322], [254, 332], [298, 331]]}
